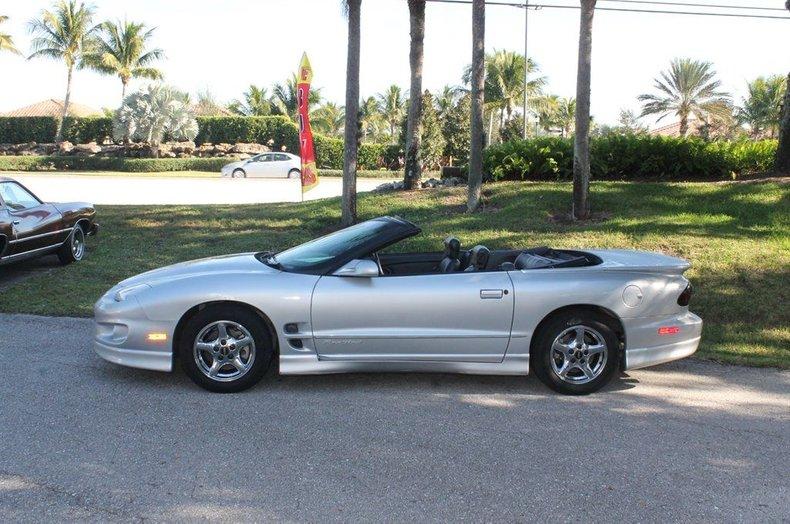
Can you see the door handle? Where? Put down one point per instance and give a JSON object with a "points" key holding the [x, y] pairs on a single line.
{"points": [[15, 222], [491, 293]]}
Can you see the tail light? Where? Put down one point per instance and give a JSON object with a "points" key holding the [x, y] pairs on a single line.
{"points": [[685, 297]]}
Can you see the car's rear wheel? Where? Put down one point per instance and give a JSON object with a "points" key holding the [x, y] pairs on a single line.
{"points": [[73, 249], [576, 352], [294, 173], [239, 173], [225, 348]]}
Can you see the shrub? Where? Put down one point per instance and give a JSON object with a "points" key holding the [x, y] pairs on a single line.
{"points": [[21, 130], [280, 130], [96, 163], [84, 130], [626, 157]]}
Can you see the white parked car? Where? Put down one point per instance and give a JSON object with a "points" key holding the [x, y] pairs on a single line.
{"points": [[265, 165]]}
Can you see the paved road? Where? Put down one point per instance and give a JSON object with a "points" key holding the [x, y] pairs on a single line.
{"points": [[162, 190], [86, 440]]}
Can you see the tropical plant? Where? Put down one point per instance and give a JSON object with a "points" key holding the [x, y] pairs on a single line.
{"points": [[477, 82], [392, 105], [255, 102], [328, 119], [370, 119], [353, 9], [581, 140], [285, 100], [762, 108], [6, 40], [431, 140], [456, 129], [688, 87], [207, 105], [555, 113], [63, 33], [413, 168], [782, 163], [628, 122], [447, 99], [154, 112], [120, 49]]}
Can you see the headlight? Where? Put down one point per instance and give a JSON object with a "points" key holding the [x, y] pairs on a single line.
{"points": [[121, 295]]}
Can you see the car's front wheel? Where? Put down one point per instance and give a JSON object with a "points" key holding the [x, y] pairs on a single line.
{"points": [[73, 249], [225, 348], [239, 173], [576, 352]]}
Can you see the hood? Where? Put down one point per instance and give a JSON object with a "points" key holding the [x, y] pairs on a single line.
{"points": [[70, 208], [226, 265], [234, 165], [642, 261]]}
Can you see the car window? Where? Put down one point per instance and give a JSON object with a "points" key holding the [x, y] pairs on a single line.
{"points": [[266, 158], [280, 158], [326, 248], [17, 197]]}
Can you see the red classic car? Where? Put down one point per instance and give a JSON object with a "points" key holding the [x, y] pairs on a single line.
{"points": [[31, 228]]}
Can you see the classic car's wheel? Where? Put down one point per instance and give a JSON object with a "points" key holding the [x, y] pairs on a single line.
{"points": [[576, 352], [225, 349], [294, 173], [239, 173], [73, 249]]}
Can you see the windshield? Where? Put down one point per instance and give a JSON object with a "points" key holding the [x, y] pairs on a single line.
{"points": [[324, 249]]}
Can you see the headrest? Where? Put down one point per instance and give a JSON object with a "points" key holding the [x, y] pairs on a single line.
{"points": [[478, 257], [452, 247], [529, 261]]}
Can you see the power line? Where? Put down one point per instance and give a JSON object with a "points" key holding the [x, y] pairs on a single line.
{"points": [[618, 9], [686, 4]]}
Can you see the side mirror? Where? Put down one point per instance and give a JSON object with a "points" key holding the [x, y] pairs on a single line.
{"points": [[359, 268]]}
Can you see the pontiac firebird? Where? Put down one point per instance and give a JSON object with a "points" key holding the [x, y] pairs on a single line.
{"points": [[345, 302]]}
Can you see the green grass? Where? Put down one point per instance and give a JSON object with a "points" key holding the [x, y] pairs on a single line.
{"points": [[736, 235]]}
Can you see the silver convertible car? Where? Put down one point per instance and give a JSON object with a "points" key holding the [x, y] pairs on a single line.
{"points": [[345, 302]]}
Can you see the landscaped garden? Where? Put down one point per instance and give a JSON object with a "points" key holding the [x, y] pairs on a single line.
{"points": [[737, 236]]}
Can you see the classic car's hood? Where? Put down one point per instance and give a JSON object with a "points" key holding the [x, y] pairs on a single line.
{"points": [[69, 208], [227, 264], [643, 261]]}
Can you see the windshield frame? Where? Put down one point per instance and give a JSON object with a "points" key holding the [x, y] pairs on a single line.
{"points": [[396, 230]]}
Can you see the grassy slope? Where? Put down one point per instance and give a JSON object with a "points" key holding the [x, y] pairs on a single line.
{"points": [[736, 235]]}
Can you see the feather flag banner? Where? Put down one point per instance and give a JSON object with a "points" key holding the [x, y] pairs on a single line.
{"points": [[306, 147]]}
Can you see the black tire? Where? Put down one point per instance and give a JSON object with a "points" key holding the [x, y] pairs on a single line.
{"points": [[263, 350], [73, 249], [576, 382], [294, 173], [239, 173]]}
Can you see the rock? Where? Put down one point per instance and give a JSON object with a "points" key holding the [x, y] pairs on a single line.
{"points": [[91, 148], [64, 148], [249, 149]]}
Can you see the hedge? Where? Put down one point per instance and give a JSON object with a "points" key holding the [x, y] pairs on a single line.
{"points": [[276, 131], [97, 163], [624, 157]]}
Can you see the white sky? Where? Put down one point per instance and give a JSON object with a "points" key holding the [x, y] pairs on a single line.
{"points": [[225, 46]]}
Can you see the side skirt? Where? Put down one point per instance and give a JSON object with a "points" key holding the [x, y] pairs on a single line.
{"points": [[512, 364]]}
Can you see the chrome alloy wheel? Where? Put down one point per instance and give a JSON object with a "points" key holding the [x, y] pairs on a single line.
{"points": [[78, 243], [224, 351], [578, 354]]}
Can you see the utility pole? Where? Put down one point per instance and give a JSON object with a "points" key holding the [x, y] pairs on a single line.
{"points": [[526, 63]]}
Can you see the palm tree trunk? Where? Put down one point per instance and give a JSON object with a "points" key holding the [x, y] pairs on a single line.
{"points": [[684, 124], [413, 168], [478, 100], [123, 90], [491, 115], [65, 113], [349, 205], [783, 150], [581, 143]]}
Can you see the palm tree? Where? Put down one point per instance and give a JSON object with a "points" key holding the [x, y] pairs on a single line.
{"points": [[392, 105], [328, 119], [119, 48], [687, 88], [255, 103], [63, 34], [447, 99], [477, 80], [6, 40], [285, 99], [581, 141], [353, 10], [566, 115], [370, 118], [762, 109], [413, 169], [782, 163]]}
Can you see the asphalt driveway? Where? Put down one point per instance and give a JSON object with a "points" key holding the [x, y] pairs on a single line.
{"points": [[86, 440], [131, 190]]}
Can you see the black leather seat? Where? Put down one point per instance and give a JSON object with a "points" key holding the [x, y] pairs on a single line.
{"points": [[452, 249], [478, 258]]}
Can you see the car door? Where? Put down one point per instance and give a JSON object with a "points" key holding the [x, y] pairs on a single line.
{"points": [[34, 224], [281, 165], [464, 317]]}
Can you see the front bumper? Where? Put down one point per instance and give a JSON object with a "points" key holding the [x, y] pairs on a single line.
{"points": [[645, 347], [121, 335]]}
